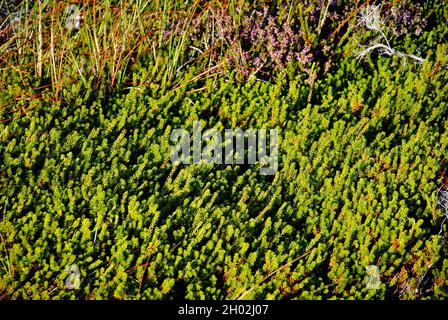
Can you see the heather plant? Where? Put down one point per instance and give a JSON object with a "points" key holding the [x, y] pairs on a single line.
{"points": [[405, 19]]}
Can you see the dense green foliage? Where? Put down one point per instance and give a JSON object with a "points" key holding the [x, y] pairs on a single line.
{"points": [[86, 179]]}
